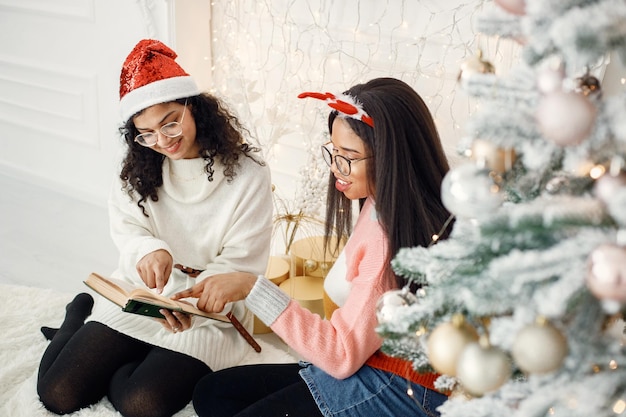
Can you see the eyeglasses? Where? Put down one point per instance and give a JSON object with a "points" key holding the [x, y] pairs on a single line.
{"points": [[171, 130], [343, 164]]}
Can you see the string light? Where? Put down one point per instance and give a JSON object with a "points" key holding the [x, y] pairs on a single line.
{"points": [[597, 171], [264, 56], [619, 407]]}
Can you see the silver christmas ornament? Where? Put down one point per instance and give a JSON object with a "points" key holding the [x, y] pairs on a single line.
{"points": [[388, 304], [470, 192]]}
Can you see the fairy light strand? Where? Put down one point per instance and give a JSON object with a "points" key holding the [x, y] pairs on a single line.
{"points": [[266, 52]]}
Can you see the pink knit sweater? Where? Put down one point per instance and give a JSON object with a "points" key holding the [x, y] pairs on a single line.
{"points": [[341, 344], [347, 340]]}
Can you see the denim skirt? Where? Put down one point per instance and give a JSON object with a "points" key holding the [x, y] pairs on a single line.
{"points": [[369, 392]]}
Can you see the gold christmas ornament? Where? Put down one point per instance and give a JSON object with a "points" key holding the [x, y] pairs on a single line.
{"points": [[475, 65], [588, 85], [483, 368], [539, 348], [446, 343], [488, 155], [310, 265]]}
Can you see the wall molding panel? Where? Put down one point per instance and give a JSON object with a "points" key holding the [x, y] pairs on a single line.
{"points": [[63, 104], [76, 9]]}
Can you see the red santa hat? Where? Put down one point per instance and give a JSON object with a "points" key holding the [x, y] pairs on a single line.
{"points": [[151, 76]]}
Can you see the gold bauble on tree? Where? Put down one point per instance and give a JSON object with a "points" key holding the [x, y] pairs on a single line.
{"points": [[588, 85], [539, 347], [475, 65], [483, 368], [446, 343], [490, 156]]}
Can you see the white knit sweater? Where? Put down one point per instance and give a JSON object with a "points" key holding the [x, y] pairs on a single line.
{"points": [[216, 226]]}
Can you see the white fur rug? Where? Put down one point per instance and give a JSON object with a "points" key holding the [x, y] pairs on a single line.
{"points": [[23, 310]]}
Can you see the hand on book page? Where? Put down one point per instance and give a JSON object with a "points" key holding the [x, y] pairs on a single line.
{"points": [[140, 300], [215, 291]]}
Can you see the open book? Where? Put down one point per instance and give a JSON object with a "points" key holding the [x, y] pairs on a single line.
{"points": [[143, 301]]}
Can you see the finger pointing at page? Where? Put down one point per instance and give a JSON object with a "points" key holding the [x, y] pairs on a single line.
{"points": [[194, 292]]}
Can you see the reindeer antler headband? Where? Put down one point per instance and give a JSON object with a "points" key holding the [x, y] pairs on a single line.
{"points": [[343, 103]]}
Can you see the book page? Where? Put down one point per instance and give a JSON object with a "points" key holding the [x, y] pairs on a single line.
{"points": [[107, 289], [120, 292]]}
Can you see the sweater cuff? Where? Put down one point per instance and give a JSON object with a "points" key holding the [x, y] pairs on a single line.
{"points": [[266, 300]]}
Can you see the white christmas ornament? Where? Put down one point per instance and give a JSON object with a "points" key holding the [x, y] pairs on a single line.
{"points": [[469, 191], [565, 118], [483, 368], [606, 276], [389, 303], [550, 79], [446, 343], [539, 348]]}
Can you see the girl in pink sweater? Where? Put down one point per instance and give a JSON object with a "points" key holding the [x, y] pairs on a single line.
{"points": [[385, 152]]}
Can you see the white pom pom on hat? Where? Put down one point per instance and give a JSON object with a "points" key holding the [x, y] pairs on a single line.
{"points": [[150, 75]]}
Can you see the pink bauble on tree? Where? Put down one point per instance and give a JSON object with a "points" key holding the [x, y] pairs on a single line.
{"points": [[608, 185], [565, 118], [606, 276], [517, 7]]}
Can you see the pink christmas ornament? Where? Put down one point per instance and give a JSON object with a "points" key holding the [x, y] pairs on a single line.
{"points": [[565, 118], [607, 186], [517, 7], [606, 276]]}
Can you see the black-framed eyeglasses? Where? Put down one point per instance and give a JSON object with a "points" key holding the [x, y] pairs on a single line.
{"points": [[343, 164], [171, 130]]}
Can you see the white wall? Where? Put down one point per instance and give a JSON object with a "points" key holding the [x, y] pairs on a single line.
{"points": [[59, 76], [60, 63]]}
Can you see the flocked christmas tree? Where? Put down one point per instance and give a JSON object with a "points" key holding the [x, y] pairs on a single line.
{"points": [[522, 308]]}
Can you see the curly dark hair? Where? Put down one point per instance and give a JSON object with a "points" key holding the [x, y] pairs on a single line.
{"points": [[219, 134]]}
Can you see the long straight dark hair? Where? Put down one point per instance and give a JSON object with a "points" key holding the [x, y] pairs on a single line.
{"points": [[407, 168]]}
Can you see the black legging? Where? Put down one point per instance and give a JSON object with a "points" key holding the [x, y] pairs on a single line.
{"points": [[83, 363], [272, 390]]}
